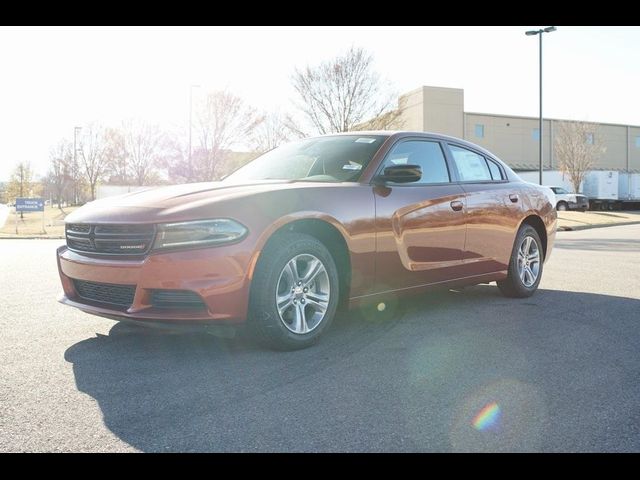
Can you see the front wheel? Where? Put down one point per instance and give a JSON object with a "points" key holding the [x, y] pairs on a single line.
{"points": [[562, 207], [294, 294], [525, 266]]}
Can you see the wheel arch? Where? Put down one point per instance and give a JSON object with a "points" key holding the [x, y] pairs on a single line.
{"points": [[326, 229], [537, 223]]}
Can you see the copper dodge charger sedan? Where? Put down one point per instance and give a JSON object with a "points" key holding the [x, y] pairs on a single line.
{"points": [[282, 241]]}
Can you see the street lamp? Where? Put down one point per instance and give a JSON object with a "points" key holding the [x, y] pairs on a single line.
{"points": [[190, 126], [540, 32]]}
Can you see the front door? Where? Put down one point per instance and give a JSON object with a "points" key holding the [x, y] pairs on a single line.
{"points": [[420, 227]]}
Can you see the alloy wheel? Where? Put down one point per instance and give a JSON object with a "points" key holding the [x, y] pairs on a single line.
{"points": [[528, 261], [302, 293]]}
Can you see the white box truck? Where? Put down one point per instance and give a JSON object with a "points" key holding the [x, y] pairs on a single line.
{"points": [[629, 186], [601, 186], [605, 189]]}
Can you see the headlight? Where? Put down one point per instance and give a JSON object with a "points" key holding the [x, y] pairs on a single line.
{"points": [[198, 233]]}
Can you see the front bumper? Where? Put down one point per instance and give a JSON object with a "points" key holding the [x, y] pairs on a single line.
{"points": [[582, 203], [219, 275], [578, 205]]}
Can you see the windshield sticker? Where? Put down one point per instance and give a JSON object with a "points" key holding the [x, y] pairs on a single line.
{"points": [[365, 140], [352, 166]]}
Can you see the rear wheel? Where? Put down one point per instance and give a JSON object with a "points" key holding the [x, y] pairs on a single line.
{"points": [[295, 292], [525, 266]]}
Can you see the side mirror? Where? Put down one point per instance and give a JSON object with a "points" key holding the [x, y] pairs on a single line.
{"points": [[401, 174]]}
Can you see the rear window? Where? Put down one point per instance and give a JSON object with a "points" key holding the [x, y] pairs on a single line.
{"points": [[496, 172], [471, 166]]}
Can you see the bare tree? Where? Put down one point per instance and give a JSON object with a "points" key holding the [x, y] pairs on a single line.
{"points": [[175, 159], [271, 132], [224, 119], [233, 161], [577, 147], [389, 120], [21, 183], [340, 94], [92, 156], [60, 160], [116, 157], [143, 144]]}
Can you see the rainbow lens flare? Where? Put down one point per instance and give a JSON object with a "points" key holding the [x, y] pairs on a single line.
{"points": [[487, 417]]}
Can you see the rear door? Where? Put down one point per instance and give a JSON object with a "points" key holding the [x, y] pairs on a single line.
{"points": [[494, 210], [420, 227]]}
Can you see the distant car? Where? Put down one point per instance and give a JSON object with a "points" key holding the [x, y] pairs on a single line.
{"points": [[287, 237], [569, 201]]}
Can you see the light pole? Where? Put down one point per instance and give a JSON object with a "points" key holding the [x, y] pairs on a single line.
{"points": [[75, 164], [540, 32], [190, 126]]}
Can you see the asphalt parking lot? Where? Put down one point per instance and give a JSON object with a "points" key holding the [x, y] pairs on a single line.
{"points": [[451, 371]]}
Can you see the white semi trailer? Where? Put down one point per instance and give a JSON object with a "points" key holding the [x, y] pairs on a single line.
{"points": [[629, 186], [605, 189], [601, 186]]}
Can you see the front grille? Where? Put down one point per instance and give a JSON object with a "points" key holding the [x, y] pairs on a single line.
{"points": [[176, 299], [581, 199], [117, 239], [121, 295]]}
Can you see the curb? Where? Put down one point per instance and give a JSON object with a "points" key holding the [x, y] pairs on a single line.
{"points": [[602, 225]]}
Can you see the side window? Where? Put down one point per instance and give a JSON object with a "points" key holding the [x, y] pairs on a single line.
{"points": [[427, 154], [496, 173], [471, 166]]}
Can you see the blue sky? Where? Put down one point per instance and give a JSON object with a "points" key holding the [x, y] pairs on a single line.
{"points": [[55, 78]]}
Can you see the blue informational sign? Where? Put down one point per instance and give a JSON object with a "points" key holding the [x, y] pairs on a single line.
{"points": [[29, 204]]}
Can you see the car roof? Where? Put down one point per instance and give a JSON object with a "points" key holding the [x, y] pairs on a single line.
{"points": [[409, 133], [389, 133]]}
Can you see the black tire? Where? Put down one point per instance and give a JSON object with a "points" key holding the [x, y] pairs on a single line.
{"points": [[265, 321], [513, 285], [562, 207]]}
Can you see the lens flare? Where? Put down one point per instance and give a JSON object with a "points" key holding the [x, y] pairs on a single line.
{"points": [[487, 417]]}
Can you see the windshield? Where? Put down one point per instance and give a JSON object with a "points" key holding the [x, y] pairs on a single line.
{"points": [[323, 159]]}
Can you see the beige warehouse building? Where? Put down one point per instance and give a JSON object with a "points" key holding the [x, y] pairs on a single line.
{"points": [[512, 138]]}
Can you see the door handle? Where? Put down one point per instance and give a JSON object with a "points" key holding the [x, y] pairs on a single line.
{"points": [[513, 197], [457, 205]]}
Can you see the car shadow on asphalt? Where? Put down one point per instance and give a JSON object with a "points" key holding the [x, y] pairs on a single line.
{"points": [[462, 370]]}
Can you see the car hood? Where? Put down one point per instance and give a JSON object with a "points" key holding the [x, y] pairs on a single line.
{"points": [[175, 202]]}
